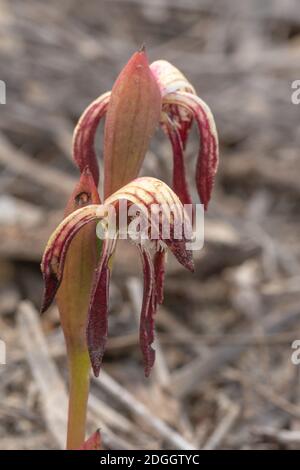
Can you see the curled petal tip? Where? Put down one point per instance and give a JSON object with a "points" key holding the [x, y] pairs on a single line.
{"points": [[185, 258], [188, 263], [142, 48], [182, 255]]}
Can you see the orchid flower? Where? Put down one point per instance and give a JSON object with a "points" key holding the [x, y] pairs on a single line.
{"points": [[142, 192], [179, 106], [77, 266]]}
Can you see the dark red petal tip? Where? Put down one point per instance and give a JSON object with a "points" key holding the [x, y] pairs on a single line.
{"points": [[51, 287], [97, 327], [184, 256]]}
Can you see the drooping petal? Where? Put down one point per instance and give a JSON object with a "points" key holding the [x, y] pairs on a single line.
{"points": [[84, 135], [159, 273], [143, 192], [153, 272], [179, 185], [97, 325], [55, 253], [132, 116], [148, 311], [208, 155]]}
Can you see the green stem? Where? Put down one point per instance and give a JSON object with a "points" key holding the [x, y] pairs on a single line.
{"points": [[79, 370]]}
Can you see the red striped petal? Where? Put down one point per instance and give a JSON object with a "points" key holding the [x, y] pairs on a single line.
{"points": [[53, 261], [84, 136], [147, 313], [179, 176], [182, 119], [159, 272], [208, 155], [169, 78], [97, 325]]}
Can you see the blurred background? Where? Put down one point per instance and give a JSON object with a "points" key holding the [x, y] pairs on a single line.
{"points": [[223, 377]]}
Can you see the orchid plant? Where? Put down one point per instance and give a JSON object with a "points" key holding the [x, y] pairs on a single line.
{"points": [[76, 265]]}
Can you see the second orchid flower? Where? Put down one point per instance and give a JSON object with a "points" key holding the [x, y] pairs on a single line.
{"points": [[156, 94]]}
